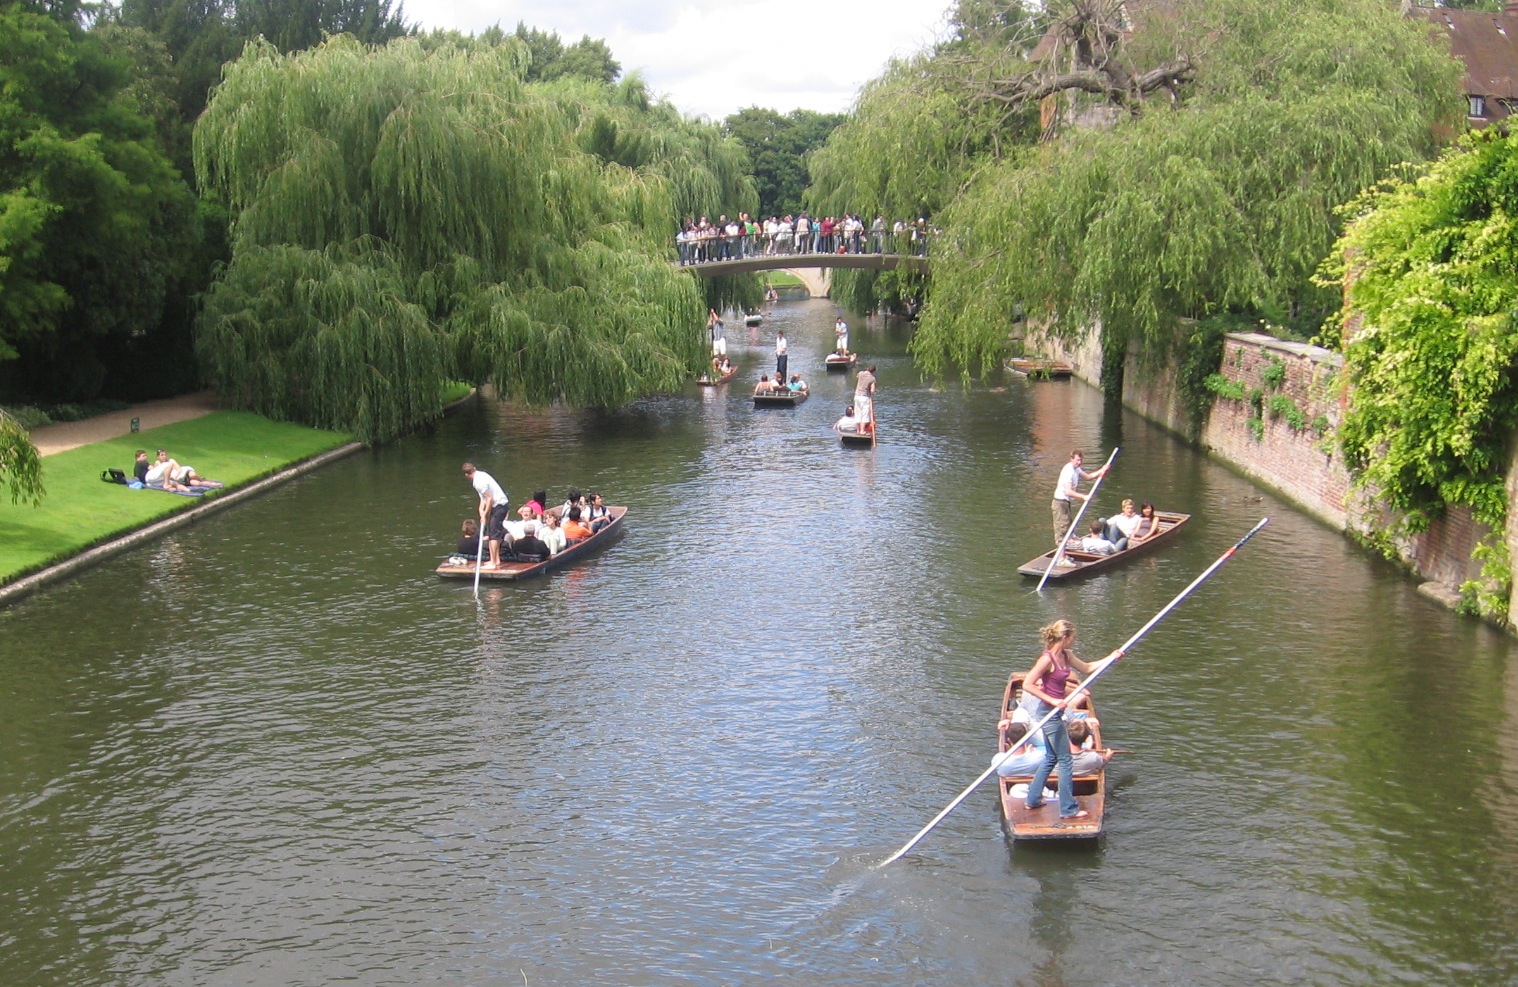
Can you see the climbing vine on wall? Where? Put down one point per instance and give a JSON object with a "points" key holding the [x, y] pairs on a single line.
{"points": [[1432, 341]]}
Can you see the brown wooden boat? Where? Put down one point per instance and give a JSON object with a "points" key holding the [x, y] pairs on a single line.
{"points": [[779, 399], [1044, 823], [860, 440], [707, 380], [1075, 564], [841, 363], [1038, 368], [514, 569]]}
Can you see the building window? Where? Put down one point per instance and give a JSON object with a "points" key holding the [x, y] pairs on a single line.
{"points": [[1478, 106]]}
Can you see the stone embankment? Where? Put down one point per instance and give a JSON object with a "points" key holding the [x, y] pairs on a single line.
{"points": [[1280, 434]]}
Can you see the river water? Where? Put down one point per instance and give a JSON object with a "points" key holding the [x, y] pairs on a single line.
{"points": [[274, 749]]}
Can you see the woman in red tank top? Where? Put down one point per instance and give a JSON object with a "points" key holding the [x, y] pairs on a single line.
{"points": [[1049, 682]]}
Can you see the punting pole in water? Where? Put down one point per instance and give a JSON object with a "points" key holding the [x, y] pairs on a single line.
{"points": [[1084, 504], [1096, 673], [479, 555]]}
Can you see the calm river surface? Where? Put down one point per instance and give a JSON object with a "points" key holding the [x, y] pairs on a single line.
{"points": [[274, 749]]}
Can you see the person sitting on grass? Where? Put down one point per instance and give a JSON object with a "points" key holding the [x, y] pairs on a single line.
{"points": [[185, 475], [160, 475]]}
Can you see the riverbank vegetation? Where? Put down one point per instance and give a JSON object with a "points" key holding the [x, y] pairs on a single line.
{"points": [[80, 511], [1430, 344], [1092, 165]]}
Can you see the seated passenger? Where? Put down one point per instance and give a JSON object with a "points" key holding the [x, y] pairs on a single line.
{"points": [[1084, 758], [1017, 760], [1095, 543], [764, 386], [574, 528], [552, 534], [1120, 528], [797, 384], [469, 544], [575, 499], [535, 505], [725, 367], [848, 424], [1148, 525], [597, 516], [529, 547]]}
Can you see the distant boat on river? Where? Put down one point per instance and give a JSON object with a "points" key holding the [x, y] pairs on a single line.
{"points": [[1037, 368]]}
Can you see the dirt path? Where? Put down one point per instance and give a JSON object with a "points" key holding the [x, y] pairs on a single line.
{"points": [[150, 414]]}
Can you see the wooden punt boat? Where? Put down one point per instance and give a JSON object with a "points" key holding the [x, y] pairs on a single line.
{"points": [[753, 319], [779, 399], [1037, 368], [707, 380], [860, 440], [840, 363], [1075, 564], [510, 571], [1044, 823]]}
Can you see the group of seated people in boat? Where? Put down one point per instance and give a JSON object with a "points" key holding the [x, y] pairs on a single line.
{"points": [[779, 385], [721, 367], [1131, 528], [1086, 759], [539, 533]]}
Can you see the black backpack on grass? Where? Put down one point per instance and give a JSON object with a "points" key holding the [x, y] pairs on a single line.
{"points": [[113, 476]]}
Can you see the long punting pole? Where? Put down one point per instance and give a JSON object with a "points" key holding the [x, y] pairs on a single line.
{"points": [[1084, 504], [1096, 673], [479, 555]]}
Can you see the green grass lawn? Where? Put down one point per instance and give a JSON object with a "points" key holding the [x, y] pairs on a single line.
{"points": [[235, 447], [782, 279]]}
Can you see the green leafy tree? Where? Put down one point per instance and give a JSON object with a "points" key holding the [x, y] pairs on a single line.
{"points": [[20, 465], [96, 226], [1432, 338], [588, 58], [1219, 198], [778, 147], [407, 214]]}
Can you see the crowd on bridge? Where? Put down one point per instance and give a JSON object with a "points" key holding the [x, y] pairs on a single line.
{"points": [[742, 237]]}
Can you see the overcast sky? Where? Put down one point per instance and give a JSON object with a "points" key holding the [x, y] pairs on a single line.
{"points": [[716, 57]]}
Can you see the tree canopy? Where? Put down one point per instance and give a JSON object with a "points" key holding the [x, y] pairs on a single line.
{"points": [[419, 211], [96, 225], [778, 147], [1220, 199]]}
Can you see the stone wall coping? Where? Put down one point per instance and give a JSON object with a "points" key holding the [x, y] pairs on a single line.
{"points": [[1316, 354]]}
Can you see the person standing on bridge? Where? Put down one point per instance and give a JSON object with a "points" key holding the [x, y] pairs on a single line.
{"points": [[803, 234], [780, 354]]}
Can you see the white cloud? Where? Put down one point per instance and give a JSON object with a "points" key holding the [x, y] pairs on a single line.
{"points": [[719, 56]]}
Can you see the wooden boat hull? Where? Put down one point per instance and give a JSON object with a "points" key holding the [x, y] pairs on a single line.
{"points": [[1040, 369], [752, 320], [714, 381], [856, 440], [1044, 823], [512, 571], [1077, 565], [841, 364], [787, 400]]}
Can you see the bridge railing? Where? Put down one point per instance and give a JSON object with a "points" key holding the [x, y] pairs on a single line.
{"points": [[714, 248]]}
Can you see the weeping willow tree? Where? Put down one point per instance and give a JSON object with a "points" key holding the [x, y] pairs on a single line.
{"points": [[20, 463], [413, 213], [1219, 197]]}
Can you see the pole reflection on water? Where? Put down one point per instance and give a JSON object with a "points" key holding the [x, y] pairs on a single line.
{"points": [[274, 749]]}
